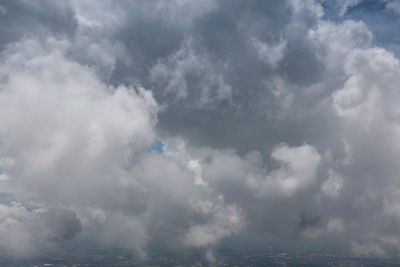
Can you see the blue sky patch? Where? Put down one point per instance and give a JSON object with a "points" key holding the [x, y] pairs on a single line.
{"points": [[156, 146]]}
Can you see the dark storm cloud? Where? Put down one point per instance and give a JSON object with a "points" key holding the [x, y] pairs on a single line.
{"points": [[62, 224], [228, 44], [33, 18]]}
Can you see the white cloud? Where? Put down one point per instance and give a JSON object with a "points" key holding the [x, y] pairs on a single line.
{"points": [[173, 77], [333, 184], [62, 121], [344, 5], [225, 222], [297, 172], [270, 53], [335, 226], [393, 5]]}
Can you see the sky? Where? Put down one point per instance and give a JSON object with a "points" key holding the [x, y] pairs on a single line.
{"points": [[181, 124]]}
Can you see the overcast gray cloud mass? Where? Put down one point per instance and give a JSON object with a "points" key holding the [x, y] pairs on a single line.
{"points": [[276, 121]]}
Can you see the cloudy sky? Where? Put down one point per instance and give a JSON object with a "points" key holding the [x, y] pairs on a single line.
{"points": [[180, 124]]}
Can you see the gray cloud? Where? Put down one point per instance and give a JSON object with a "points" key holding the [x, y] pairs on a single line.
{"points": [[26, 233], [37, 18], [276, 123]]}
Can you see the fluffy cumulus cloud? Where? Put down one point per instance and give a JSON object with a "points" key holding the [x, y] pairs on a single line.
{"points": [[26, 234], [273, 121]]}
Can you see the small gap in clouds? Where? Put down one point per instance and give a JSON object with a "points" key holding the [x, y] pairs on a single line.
{"points": [[157, 146]]}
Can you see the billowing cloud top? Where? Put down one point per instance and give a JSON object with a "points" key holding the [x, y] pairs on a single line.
{"points": [[178, 124]]}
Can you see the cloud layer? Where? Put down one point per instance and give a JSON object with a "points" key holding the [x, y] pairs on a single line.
{"points": [[275, 122]]}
